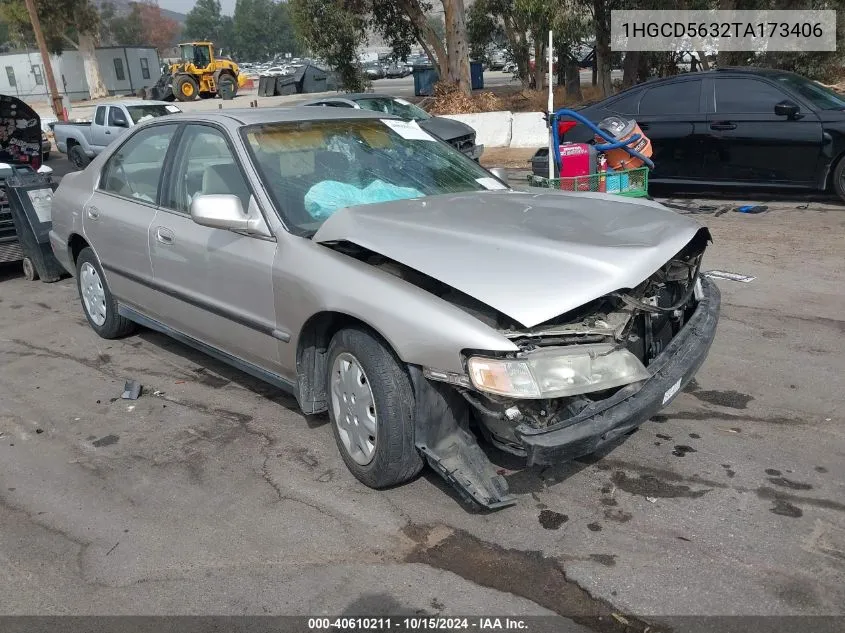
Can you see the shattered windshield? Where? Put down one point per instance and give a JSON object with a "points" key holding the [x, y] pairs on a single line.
{"points": [[314, 168], [144, 112], [399, 107]]}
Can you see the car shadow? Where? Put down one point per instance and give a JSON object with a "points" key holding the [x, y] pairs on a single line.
{"points": [[10, 270], [749, 194], [216, 374]]}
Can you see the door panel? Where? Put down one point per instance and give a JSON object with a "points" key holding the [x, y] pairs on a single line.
{"points": [[98, 129], [117, 218], [214, 285], [671, 116], [747, 142]]}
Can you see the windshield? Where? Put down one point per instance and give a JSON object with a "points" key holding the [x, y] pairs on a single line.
{"points": [[314, 168], [821, 97], [398, 107], [143, 112]]}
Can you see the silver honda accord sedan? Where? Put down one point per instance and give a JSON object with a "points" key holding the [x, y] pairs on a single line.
{"points": [[382, 276]]}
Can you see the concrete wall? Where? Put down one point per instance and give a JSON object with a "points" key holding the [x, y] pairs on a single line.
{"points": [[69, 71], [507, 129]]}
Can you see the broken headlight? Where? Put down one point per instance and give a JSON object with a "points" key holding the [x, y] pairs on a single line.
{"points": [[556, 373]]}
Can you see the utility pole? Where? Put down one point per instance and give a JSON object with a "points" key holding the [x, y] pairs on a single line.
{"points": [[45, 58]]}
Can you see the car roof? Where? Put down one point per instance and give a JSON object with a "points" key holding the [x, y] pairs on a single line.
{"points": [[726, 70], [354, 96], [238, 117]]}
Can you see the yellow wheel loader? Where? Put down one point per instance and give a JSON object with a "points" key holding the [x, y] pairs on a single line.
{"points": [[198, 74]]}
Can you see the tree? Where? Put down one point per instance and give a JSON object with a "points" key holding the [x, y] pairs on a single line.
{"points": [[204, 21], [334, 31], [159, 31], [73, 22]]}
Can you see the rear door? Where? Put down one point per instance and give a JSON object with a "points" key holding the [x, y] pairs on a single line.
{"points": [[748, 142], [672, 117], [117, 218], [214, 285]]}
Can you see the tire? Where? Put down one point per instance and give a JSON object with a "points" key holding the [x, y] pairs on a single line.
{"points": [[29, 271], [229, 80], [77, 156], [839, 179], [185, 88], [105, 321], [393, 458]]}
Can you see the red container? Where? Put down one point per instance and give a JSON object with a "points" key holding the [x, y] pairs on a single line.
{"points": [[577, 159]]}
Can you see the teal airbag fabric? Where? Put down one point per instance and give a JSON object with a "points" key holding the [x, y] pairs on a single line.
{"points": [[328, 196]]}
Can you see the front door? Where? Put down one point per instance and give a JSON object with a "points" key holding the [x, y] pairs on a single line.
{"points": [[214, 285], [748, 142], [117, 218]]}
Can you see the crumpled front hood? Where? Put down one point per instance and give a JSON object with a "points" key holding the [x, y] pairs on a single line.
{"points": [[531, 256]]}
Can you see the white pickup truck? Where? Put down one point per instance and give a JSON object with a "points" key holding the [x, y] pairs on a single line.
{"points": [[82, 141]]}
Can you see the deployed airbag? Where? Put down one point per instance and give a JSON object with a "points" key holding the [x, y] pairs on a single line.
{"points": [[326, 197]]}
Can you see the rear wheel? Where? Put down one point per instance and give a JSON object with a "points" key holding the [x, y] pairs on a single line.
{"points": [[29, 272], [77, 157], [186, 88], [227, 83], [98, 303], [839, 178], [371, 407]]}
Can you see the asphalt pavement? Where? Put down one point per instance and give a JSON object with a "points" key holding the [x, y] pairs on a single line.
{"points": [[212, 494]]}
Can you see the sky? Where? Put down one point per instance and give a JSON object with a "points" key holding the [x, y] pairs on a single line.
{"points": [[183, 6]]}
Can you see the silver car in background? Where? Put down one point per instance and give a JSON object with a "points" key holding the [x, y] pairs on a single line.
{"points": [[380, 275]]}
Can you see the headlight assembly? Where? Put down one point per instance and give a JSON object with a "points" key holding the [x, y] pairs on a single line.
{"points": [[556, 373]]}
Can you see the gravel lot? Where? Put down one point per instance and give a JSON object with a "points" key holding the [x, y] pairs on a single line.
{"points": [[211, 494]]}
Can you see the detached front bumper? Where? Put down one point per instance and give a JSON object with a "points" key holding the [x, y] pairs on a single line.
{"points": [[628, 408]]}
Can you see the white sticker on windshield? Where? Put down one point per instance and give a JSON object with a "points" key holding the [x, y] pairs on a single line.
{"points": [[172, 108], [408, 130], [490, 184]]}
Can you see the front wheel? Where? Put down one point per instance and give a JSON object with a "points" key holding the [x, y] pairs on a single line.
{"points": [[186, 88], [98, 303], [371, 407]]}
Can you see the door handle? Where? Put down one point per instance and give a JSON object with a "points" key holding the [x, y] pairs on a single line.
{"points": [[723, 125], [108, 131], [93, 212], [163, 235]]}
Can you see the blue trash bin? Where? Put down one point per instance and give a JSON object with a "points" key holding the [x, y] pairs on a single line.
{"points": [[476, 75], [425, 76]]}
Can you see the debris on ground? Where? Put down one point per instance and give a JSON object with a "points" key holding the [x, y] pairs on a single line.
{"points": [[752, 208], [722, 274], [131, 390]]}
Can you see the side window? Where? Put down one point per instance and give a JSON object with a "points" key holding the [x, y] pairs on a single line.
{"points": [[735, 95], [627, 103], [135, 169], [205, 165], [36, 72], [100, 116], [683, 97], [114, 114], [10, 74], [118, 69], [145, 68]]}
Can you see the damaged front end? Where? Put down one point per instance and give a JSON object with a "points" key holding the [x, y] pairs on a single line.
{"points": [[577, 382]]}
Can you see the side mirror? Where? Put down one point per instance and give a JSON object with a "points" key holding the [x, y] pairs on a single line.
{"points": [[787, 109], [500, 173], [118, 120], [225, 211], [220, 211]]}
